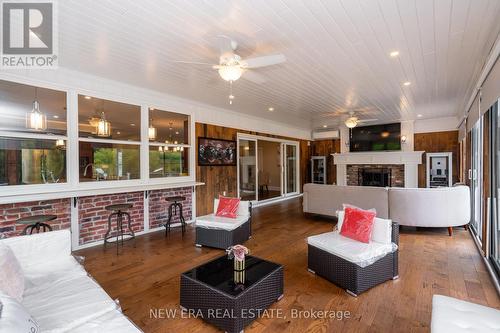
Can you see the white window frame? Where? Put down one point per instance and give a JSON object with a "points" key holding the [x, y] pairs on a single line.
{"points": [[73, 187]]}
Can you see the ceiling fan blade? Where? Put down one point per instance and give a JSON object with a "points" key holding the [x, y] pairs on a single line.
{"points": [[263, 61], [226, 45], [253, 77], [191, 62], [366, 120]]}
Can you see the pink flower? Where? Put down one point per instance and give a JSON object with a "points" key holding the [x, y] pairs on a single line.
{"points": [[239, 252]]}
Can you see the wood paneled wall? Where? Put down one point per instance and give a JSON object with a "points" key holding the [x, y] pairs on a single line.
{"points": [[437, 142], [326, 148], [219, 179]]}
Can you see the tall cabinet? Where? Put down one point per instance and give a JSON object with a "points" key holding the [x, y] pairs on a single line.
{"points": [[318, 169]]}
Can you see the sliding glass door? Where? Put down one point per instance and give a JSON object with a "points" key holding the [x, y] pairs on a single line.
{"points": [[495, 188], [476, 180], [268, 168]]}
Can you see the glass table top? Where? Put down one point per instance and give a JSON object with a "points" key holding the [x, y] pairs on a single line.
{"points": [[219, 273]]}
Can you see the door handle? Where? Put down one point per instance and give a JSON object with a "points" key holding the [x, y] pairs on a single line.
{"points": [[470, 174]]}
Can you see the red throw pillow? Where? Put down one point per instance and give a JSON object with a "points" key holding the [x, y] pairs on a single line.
{"points": [[358, 224], [228, 207]]}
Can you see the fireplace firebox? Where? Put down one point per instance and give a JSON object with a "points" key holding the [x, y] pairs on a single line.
{"points": [[380, 177]]}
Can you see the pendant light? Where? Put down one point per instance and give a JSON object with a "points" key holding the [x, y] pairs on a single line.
{"points": [[36, 120], [103, 126], [152, 130]]}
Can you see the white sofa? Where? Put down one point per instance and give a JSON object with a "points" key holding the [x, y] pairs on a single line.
{"points": [[453, 315], [59, 294], [430, 207], [418, 207]]}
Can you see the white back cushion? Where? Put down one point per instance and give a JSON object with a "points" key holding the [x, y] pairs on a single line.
{"points": [[11, 274], [15, 318], [242, 207], [382, 228]]}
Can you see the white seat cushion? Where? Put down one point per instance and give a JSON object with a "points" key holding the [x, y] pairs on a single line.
{"points": [[215, 222], [381, 232], [61, 305], [361, 254], [48, 271], [111, 322], [457, 316]]}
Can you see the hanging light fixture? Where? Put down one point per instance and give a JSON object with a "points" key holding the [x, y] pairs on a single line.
{"points": [[60, 144], [103, 126], [160, 148], [230, 72], [35, 119], [152, 130], [351, 122]]}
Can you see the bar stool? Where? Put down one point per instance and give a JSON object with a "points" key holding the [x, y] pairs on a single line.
{"points": [[175, 203], [36, 222], [119, 210]]}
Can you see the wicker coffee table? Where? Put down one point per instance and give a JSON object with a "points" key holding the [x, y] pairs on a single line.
{"points": [[209, 292]]}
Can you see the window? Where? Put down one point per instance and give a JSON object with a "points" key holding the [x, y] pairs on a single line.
{"points": [[109, 140], [168, 135], [32, 135]]}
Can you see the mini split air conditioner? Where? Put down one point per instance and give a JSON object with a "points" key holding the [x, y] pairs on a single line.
{"points": [[320, 135]]}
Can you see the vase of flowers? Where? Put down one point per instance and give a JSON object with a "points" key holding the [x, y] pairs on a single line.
{"points": [[237, 253]]}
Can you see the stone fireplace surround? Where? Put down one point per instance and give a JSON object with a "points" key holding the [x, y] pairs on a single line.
{"points": [[408, 159]]}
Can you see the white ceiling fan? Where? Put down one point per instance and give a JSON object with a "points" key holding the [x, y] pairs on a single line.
{"points": [[231, 66], [354, 121]]}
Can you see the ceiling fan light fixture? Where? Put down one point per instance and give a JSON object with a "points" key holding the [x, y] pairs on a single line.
{"points": [[230, 72], [351, 122]]}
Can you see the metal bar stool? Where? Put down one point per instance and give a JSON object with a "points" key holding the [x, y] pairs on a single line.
{"points": [[119, 211], [175, 203], [36, 222]]}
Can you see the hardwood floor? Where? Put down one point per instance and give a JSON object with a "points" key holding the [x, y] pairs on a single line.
{"points": [[146, 277]]}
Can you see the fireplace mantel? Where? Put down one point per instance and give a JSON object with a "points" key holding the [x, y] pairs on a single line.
{"points": [[410, 160]]}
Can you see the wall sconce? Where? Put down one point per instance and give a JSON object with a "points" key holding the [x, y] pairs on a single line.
{"points": [[403, 139]]}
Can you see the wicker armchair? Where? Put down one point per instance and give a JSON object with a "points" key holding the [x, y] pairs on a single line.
{"points": [[222, 233], [351, 277]]}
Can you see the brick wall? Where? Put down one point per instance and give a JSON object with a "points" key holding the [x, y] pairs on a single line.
{"points": [[397, 173], [93, 217], [158, 207], [9, 213]]}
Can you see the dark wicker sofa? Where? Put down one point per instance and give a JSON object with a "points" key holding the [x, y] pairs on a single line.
{"points": [[351, 277], [221, 238]]}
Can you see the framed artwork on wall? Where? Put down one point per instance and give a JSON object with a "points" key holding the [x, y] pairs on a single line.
{"points": [[216, 152]]}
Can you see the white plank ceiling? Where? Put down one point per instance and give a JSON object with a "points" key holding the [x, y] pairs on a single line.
{"points": [[337, 53]]}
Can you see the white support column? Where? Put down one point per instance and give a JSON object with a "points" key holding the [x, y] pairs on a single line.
{"points": [[73, 172], [411, 175]]}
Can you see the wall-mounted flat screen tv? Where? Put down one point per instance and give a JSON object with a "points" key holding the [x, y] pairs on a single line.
{"points": [[376, 138]]}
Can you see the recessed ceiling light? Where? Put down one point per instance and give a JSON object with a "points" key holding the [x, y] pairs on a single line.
{"points": [[88, 97], [132, 124], [177, 133], [118, 132], [56, 116], [407, 83], [152, 109], [271, 109], [325, 126], [419, 115], [394, 54]]}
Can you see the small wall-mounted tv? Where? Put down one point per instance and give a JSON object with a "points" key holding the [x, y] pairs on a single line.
{"points": [[375, 138]]}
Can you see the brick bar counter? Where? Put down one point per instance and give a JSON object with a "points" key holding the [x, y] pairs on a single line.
{"points": [[91, 215]]}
